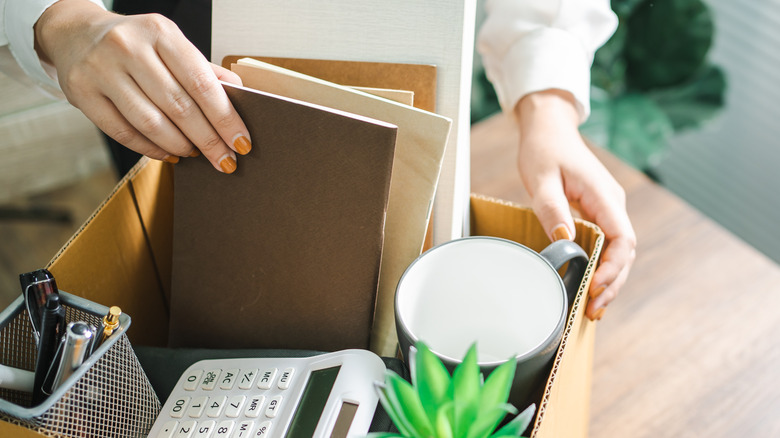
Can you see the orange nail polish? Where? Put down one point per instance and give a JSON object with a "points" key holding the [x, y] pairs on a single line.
{"points": [[596, 292], [561, 232], [599, 313], [242, 144], [173, 159], [228, 164], [195, 153]]}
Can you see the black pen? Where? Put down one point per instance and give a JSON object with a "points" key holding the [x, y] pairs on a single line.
{"points": [[36, 286], [52, 330]]}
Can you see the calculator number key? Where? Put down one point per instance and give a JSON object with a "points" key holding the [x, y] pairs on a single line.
{"points": [[191, 380], [204, 429], [185, 430], [197, 406], [223, 429], [215, 405], [179, 406], [234, 405]]}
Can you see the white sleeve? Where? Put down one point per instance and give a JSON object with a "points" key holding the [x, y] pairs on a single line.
{"points": [[17, 18], [534, 45]]}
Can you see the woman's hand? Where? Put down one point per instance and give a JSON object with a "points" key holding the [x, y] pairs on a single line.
{"points": [[558, 169], [142, 82]]}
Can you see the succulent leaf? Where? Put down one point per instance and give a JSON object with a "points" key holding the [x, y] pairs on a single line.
{"points": [[393, 410], [410, 407], [466, 387], [518, 424], [444, 423], [487, 420], [431, 379]]}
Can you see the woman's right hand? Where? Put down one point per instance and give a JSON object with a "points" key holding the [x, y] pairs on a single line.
{"points": [[142, 82]]}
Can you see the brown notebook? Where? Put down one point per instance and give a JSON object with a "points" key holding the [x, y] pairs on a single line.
{"points": [[285, 252]]}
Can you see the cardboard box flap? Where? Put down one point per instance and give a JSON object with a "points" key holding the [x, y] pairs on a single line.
{"points": [[109, 261]]}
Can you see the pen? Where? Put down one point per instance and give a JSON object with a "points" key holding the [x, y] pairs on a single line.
{"points": [[36, 286], [52, 330], [108, 326], [78, 336]]}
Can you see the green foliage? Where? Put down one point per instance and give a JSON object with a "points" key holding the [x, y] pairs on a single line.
{"points": [[437, 405], [652, 78]]}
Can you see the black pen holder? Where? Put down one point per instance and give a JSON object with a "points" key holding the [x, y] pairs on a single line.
{"points": [[109, 395]]}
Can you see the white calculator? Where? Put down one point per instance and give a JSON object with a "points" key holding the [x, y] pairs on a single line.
{"points": [[329, 395]]}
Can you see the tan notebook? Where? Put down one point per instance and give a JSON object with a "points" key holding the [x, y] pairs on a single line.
{"points": [[422, 137], [285, 252]]}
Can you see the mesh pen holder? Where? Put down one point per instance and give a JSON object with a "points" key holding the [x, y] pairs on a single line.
{"points": [[107, 396]]}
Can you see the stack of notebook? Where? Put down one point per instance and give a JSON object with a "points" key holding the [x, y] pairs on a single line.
{"points": [[303, 245]]}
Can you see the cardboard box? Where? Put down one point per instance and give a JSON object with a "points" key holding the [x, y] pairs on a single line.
{"points": [[122, 256]]}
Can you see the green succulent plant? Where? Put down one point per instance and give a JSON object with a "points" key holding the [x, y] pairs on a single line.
{"points": [[464, 405]]}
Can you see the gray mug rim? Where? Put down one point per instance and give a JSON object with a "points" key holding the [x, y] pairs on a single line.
{"points": [[544, 345]]}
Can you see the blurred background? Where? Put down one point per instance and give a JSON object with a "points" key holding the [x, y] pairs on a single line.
{"points": [[685, 91]]}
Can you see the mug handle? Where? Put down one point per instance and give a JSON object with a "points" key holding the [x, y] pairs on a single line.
{"points": [[562, 251]]}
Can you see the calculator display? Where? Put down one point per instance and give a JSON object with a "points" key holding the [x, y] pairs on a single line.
{"points": [[315, 396]]}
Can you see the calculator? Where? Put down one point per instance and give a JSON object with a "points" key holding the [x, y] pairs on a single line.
{"points": [[329, 395]]}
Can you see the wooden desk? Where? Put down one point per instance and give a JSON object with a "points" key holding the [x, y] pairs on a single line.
{"points": [[691, 347]]}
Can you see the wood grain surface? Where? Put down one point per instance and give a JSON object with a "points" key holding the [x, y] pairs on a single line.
{"points": [[690, 347]]}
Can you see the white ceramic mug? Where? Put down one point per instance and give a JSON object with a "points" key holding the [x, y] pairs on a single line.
{"points": [[500, 294]]}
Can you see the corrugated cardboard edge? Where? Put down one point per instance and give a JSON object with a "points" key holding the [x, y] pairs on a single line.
{"points": [[141, 297], [575, 415]]}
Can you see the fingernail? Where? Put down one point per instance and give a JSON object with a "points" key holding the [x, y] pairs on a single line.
{"points": [[228, 164], [173, 159], [599, 313], [561, 232], [596, 292], [242, 144], [195, 153]]}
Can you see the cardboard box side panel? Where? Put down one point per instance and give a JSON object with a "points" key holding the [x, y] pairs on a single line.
{"points": [[109, 262], [417, 78], [11, 430], [563, 410], [153, 190]]}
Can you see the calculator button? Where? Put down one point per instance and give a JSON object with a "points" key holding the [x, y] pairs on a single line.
{"points": [[215, 405], [266, 379], [263, 429], [273, 406], [204, 429], [185, 430], [234, 405], [197, 406], [191, 380], [243, 430], [168, 429], [254, 406], [286, 378], [179, 406], [228, 378], [247, 378], [223, 429], [210, 379]]}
